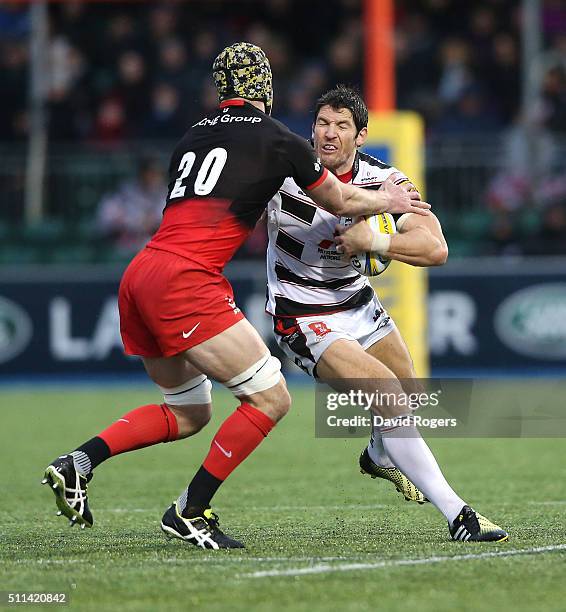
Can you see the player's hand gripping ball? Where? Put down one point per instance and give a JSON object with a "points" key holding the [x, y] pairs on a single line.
{"points": [[368, 263]]}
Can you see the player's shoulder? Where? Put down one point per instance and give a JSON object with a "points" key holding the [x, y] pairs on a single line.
{"points": [[270, 130], [365, 159], [369, 170], [280, 127], [289, 137]]}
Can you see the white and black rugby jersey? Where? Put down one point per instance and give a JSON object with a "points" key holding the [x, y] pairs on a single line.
{"points": [[305, 274]]}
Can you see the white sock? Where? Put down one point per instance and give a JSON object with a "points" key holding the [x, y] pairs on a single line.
{"points": [[410, 453], [376, 451]]}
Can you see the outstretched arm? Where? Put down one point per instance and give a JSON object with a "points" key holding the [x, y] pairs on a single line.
{"points": [[346, 200]]}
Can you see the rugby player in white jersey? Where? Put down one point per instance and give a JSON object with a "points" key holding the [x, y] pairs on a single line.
{"points": [[328, 319]]}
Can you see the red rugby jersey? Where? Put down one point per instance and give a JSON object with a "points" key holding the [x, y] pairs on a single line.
{"points": [[222, 175]]}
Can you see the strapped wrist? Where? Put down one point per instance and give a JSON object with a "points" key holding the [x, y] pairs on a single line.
{"points": [[380, 243]]}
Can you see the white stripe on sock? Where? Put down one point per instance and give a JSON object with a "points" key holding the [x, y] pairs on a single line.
{"points": [[182, 500], [82, 462]]}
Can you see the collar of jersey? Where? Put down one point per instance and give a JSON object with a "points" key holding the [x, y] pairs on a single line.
{"points": [[346, 177], [226, 103]]}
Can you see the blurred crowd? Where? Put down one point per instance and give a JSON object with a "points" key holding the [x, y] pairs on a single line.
{"points": [[459, 64], [119, 72]]}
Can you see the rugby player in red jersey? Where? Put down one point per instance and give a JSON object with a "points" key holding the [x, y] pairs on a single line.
{"points": [[177, 310]]}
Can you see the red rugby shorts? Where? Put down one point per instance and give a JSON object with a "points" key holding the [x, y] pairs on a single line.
{"points": [[169, 304]]}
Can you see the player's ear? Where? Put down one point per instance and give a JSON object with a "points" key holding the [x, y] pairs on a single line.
{"points": [[361, 137], [312, 135]]}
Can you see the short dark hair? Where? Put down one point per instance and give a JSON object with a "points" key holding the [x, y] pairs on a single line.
{"points": [[343, 96]]}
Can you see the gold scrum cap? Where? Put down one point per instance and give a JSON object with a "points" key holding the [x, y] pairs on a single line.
{"points": [[242, 70]]}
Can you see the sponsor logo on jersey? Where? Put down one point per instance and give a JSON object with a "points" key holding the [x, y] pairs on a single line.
{"points": [[15, 330], [326, 252], [320, 329], [368, 179], [325, 244], [532, 321], [228, 119], [239, 119], [207, 121]]}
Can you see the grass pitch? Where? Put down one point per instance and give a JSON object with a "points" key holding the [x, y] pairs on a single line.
{"points": [[319, 535]]}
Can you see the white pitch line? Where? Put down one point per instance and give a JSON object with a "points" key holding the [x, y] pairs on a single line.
{"points": [[347, 567], [313, 569], [243, 559]]}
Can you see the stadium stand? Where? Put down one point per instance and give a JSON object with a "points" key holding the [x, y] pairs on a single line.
{"points": [[138, 74]]}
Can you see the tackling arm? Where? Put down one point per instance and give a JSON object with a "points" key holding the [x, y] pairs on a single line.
{"points": [[345, 199]]}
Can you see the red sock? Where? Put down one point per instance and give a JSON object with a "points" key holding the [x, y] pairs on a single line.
{"points": [[237, 437], [141, 427]]}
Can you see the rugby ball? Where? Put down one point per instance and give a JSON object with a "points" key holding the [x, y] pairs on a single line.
{"points": [[372, 264]]}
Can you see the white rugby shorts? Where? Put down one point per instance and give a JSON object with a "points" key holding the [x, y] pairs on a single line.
{"points": [[304, 339]]}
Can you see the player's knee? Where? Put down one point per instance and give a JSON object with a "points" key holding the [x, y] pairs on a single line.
{"points": [[281, 403], [275, 402], [284, 404], [194, 392], [191, 403], [191, 419], [259, 377], [263, 387]]}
